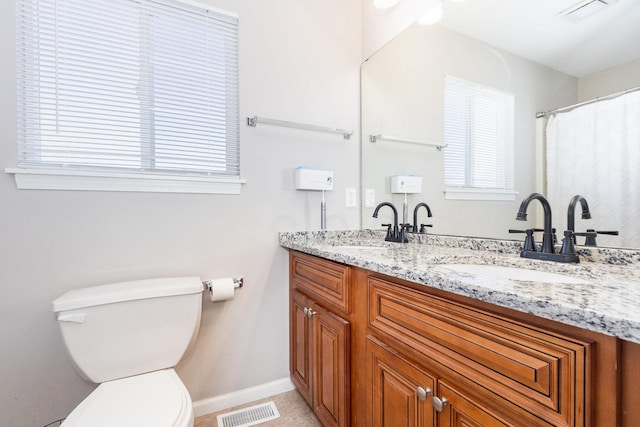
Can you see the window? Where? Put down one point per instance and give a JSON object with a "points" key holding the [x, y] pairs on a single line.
{"points": [[137, 95], [478, 133]]}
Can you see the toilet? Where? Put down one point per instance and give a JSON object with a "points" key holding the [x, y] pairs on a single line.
{"points": [[128, 337]]}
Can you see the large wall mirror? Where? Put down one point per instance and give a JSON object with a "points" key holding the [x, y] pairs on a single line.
{"points": [[524, 48]]}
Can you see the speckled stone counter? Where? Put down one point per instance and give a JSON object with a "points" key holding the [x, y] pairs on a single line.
{"points": [[607, 300]]}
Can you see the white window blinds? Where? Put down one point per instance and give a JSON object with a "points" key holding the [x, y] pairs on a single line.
{"points": [[478, 133], [135, 86]]}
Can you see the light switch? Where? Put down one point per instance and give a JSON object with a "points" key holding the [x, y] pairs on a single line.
{"points": [[350, 197], [370, 197]]}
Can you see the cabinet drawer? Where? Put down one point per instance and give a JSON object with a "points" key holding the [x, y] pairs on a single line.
{"points": [[545, 373], [326, 281]]}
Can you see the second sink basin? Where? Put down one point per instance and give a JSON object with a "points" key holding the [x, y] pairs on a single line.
{"points": [[514, 273]]}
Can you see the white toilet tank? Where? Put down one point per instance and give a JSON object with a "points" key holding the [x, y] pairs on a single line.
{"points": [[129, 328]]}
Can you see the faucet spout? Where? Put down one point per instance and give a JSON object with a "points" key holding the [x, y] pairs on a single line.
{"points": [[395, 212], [547, 238], [571, 217], [396, 235], [415, 214]]}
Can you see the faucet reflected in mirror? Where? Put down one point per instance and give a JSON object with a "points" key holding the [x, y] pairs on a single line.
{"points": [[591, 234], [571, 217], [397, 232], [422, 228]]}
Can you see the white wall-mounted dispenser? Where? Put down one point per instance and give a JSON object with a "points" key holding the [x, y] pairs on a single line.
{"points": [[406, 184], [315, 180]]}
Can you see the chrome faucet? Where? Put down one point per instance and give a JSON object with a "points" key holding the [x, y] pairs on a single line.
{"points": [[571, 217], [395, 234], [415, 217], [547, 237]]}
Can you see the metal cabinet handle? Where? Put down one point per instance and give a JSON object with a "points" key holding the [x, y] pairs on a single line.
{"points": [[310, 312], [439, 404], [423, 393]]}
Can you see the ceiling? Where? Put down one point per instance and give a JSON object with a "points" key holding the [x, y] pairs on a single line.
{"points": [[531, 29]]}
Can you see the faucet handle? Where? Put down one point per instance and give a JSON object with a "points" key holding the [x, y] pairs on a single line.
{"points": [[389, 232], [402, 237], [529, 242], [511, 230], [611, 233], [590, 236], [423, 227], [567, 243]]}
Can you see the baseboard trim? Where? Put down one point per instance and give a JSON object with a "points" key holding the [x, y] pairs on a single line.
{"points": [[240, 397]]}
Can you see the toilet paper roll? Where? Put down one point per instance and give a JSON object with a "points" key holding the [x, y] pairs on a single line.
{"points": [[221, 289]]}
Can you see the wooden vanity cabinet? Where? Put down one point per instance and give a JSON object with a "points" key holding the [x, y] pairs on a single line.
{"points": [[367, 349], [486, 367], [320, 336]]}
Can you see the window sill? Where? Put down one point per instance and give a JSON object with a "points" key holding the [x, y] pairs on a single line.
{"points": [[479, 194], [52, 179]]}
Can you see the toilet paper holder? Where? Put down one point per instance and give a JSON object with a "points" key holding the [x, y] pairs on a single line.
{"points": [[238, 282]]}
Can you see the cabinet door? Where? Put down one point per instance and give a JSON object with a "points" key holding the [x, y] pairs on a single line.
{"points": [[455, 410], [331, 361], [300, 341], [400, 393]]}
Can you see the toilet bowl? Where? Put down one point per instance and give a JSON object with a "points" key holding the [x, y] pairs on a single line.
{"points": [[128, 337], [155, 399]]}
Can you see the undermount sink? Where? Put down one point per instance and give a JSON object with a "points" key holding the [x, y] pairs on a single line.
{"points": [[514, 273]]}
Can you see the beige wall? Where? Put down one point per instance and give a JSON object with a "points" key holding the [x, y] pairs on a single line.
{"points": [[611, 80], [403, 95], [299, 61]]}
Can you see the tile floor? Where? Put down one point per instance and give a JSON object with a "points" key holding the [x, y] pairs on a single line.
{"points": [[293, 410]]}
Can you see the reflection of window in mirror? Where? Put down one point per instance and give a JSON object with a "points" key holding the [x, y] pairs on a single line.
{"points": [[478, 134]]}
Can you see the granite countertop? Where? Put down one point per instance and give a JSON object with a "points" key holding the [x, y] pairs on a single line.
{"points": [[606, 298]]}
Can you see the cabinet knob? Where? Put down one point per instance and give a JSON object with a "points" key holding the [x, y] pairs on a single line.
{"points": [[439, 404], [309, 312], [423, 393]]}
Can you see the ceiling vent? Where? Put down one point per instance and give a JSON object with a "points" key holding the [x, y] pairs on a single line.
{"points": [[584, 9]]}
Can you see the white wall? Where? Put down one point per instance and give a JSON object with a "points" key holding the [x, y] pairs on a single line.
{"points": [[299, 61]]}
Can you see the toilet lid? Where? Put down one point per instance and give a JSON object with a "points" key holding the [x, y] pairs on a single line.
{"points": [[156, 399]]}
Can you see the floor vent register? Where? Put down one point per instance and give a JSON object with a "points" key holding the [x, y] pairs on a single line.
{"points": [[249, 416]]}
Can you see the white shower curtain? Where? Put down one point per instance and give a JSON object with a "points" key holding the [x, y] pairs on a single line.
{"points": [[594, 151]]}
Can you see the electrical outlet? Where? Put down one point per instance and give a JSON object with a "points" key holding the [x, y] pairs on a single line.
{"points": [[350, 197], [370, 197]]}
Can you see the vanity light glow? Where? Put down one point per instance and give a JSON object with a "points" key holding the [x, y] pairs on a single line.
{"points": [[432, 15]]}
